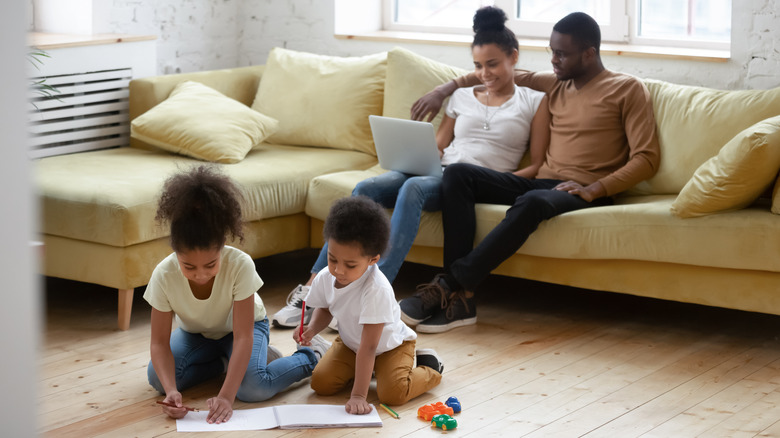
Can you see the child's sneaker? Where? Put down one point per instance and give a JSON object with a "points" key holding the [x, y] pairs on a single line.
{"points": [[290, 315], [427, 357], [273, 354], [319, 345]]}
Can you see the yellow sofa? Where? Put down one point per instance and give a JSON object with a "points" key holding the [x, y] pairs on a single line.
{"points": [[98, 208]]}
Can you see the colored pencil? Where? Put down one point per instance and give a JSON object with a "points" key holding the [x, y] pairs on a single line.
{"points": [[171, 405], [393, 413], [303, 316]]}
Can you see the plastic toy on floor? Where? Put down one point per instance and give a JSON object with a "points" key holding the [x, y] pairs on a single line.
{"points": [[444, 422], [427, 412], [454, 404]]}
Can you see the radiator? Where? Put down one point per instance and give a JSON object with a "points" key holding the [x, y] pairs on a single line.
{"points": [[89, 112]]}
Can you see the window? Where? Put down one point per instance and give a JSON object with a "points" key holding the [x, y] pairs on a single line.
{"points": [[690, 23]]}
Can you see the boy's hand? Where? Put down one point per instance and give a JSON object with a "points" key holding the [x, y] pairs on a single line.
{"points": [[174, 398], [304, 339], [358, 405], [220, 410]]}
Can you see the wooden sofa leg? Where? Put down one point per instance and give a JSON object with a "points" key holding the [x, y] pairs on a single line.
{"points": [[125, 308]]}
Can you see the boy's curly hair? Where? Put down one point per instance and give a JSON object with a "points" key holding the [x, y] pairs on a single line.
{"points": [[203, 208], [358, 219]]}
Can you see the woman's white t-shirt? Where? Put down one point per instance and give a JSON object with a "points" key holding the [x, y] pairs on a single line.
{"points": [[503, 145], [368, 300], [237, 279]]}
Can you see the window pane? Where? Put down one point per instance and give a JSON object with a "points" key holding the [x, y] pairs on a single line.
{"points": [[550, 11], [446, 13], [686, 19]]}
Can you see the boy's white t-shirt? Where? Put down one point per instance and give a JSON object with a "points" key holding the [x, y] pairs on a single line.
{"points": [[237, 279], [367, 300], [503, 145]]}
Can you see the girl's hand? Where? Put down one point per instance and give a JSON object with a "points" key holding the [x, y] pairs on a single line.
{"points": [[358, 405], [174, 398], [220, 410]]}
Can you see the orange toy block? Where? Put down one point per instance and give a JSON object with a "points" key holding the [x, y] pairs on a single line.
{"points": [[428, 411]]}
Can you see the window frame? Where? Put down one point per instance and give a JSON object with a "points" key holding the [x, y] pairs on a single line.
{"points": [[623, 27]]}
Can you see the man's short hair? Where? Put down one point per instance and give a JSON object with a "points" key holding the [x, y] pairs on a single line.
{"points": [[583, 29]]}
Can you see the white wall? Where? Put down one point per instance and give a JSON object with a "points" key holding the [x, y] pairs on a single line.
{"points": [[211, 34], [19, 312]]}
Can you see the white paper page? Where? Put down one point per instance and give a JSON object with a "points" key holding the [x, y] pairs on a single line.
{"points": [[320, 416], [242, 419]]}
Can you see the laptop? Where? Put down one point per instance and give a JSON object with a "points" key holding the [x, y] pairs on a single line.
{"points": [[406, 146]]}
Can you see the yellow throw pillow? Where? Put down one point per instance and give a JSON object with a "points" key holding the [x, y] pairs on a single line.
{"points": [[322, 100], [743, 169], [694, 122], [409, 77], [203, 123]]}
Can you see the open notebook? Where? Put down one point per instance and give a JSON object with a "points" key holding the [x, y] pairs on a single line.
{"points": [[283, 417]]}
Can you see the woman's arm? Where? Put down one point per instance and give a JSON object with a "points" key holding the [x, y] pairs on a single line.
{"points": [[445, 134], [539, 140], [221, 406], [364, 366], [163, 363]]}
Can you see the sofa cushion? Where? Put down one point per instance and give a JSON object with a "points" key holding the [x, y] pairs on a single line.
{"points": [[743, 169], [322, 100], [121, 212], [203, 123], [694, 123], [636, 228], [409, 77]]}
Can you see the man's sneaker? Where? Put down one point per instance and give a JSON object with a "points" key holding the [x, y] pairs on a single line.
{"points": [[427, 357], [428, 298], [290, 315], [273, 354], [459, 312], [319, 345]]}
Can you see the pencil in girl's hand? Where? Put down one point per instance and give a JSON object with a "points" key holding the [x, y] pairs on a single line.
{"points": [[171, 405]]}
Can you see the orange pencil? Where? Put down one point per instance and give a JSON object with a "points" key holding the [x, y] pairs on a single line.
{"points": [[171, 405]]}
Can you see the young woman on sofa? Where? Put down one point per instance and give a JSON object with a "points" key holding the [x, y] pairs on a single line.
{"points": [[490, 125]]}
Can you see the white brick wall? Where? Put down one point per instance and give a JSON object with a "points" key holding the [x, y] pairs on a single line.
{"points": [[210, 34]]}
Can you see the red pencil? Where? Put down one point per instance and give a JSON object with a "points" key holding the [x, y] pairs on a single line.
{"points": [[303, 315], [171, 405]]}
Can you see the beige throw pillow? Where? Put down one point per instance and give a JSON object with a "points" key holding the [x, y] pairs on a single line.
{"points": [[409, 77], [202, 123], [322, 100], [743, 169], [694, 122]]}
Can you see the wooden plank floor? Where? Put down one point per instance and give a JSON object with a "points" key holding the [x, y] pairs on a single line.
{"points": [[543, 361]]}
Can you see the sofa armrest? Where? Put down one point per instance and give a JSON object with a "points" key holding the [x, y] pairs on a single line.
{"points": [[237, 83]]}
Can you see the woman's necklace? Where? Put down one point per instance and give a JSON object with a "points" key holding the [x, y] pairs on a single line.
{"points": [[486, 124]]}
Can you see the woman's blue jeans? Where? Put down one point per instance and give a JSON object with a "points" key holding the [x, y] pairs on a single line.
{"points": [[409, 196], [198, 359]]}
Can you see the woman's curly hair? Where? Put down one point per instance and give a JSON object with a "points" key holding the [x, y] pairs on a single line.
{"points": [[203, 208]]}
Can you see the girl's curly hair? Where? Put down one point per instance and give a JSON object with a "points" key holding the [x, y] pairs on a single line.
{"points": [[203, 208]]}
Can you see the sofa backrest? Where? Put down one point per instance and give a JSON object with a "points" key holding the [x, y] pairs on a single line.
{"points": [[693, 124]]}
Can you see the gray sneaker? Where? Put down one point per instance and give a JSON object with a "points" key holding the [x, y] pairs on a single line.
{"points": [[289, 316], [460, 311], [426, 301]]}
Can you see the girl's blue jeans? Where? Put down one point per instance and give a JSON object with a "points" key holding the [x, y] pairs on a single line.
{"points": [[198, 359], [409, 196]]}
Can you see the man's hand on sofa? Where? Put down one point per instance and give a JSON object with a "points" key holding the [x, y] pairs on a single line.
{"points": [[430, 104], [588, 193]]}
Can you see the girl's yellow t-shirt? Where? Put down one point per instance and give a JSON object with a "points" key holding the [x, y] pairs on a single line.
{"points": [[169, 291]]}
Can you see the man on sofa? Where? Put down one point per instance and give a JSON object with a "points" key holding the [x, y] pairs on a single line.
{"points": [[603, 141]]}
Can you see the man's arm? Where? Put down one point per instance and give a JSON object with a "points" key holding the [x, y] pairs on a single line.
{"points": [[644, 153]]}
